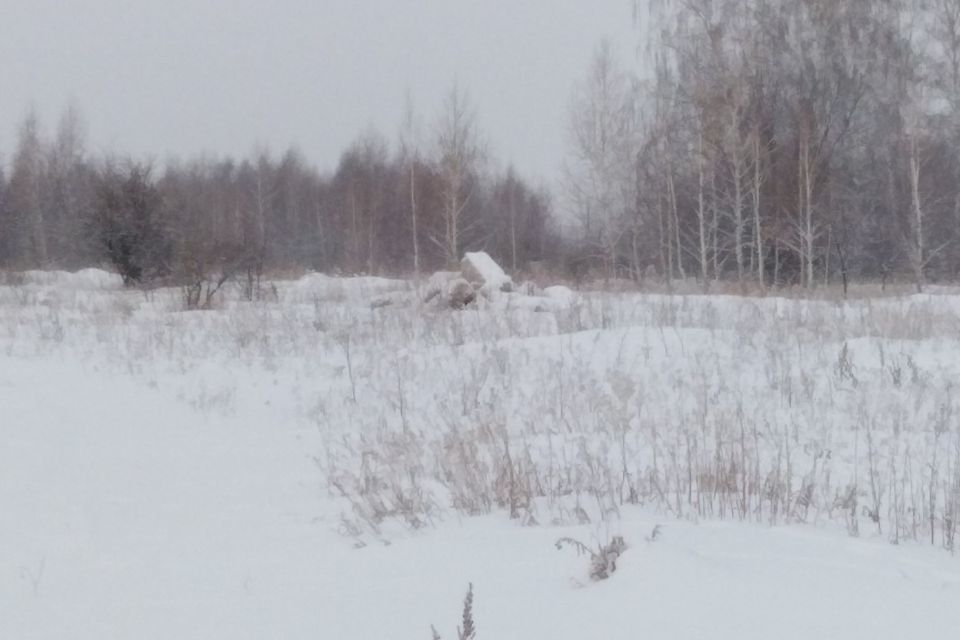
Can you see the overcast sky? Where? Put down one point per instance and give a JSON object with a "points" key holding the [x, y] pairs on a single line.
{"points": [[156, 78]]}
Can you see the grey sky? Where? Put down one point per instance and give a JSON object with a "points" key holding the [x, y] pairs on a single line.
{"points": [[161, 77]]}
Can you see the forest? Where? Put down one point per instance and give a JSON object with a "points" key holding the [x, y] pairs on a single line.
{"points": [[766, 143]]}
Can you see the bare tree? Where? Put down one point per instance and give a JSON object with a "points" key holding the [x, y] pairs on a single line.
{"points": [[600, 173], [68, 194], [26, 194], [457, 156], [943, 29], [758, 180], [410, 154]]}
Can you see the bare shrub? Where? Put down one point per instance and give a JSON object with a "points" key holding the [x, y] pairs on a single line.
{"points": [[603, 560], [467, 630]]}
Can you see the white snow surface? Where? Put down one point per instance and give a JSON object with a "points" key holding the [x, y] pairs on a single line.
{"points": [[479, 268], [85, 279], [166, 474], [560, 293]]}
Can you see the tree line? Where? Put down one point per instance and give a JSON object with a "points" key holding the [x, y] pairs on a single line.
{"points": [[775, 142], [411, 206], [765, 142]]}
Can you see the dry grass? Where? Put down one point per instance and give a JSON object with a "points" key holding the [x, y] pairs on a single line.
{"points": [[763, 409]]}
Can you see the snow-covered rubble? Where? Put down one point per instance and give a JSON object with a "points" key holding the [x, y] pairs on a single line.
{"points": [[483, 281], [450, 288], [480, 270]]}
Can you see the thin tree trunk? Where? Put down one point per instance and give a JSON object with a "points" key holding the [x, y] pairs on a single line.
{"points": [[453, 215], [354, 231], [675, 217], [413, 222], [918, 243], [758, 230], [701, 220], [637, 274], [666, 245], [776, 262], [513, 232], [737, 195], [807, 186], [715, 230]]}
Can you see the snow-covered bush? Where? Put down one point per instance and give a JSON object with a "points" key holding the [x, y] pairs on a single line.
{"points": [[467, 629], [603, 560]]}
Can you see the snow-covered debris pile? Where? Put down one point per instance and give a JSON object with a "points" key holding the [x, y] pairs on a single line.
{"points": [[460, 293], [481, 278], [480, 270], [438, 283], [450, 288]]}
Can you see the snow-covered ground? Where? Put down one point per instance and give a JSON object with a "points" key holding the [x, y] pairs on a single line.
{"points": [[312, 465]]}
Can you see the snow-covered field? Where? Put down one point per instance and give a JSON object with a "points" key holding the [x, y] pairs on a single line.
{"points": [[338, 460]]}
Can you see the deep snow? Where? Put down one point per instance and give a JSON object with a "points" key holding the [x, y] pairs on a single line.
{"points": [[164, 474]]}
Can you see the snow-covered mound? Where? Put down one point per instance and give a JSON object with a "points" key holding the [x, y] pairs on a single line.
{"points": [[479, 269], [85, 279], [318, 287], [453, 292], [438, 283], [561, 294]]}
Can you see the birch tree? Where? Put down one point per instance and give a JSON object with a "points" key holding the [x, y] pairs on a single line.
{"points": [[26, 194], [410, 156], [459, 153], [600, 172]]}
